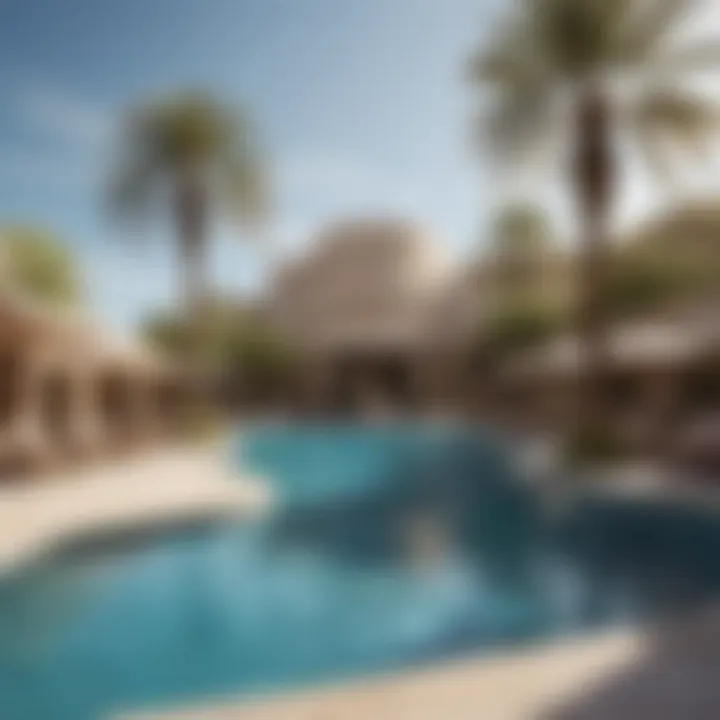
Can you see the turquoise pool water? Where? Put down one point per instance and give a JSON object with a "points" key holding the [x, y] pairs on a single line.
{"points": [[388, 548]]}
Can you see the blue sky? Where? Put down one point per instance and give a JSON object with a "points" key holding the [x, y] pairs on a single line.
{"points": [[361, 104]]}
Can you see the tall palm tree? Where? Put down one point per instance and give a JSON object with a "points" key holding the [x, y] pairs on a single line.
{"points": [[189, 154], [612, 65]]}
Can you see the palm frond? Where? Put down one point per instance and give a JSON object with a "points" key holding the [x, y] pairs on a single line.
{"points": [[667, 118], [188, 135], [498, 67], [576, 34], [647, 27], [548, 47], [511, 59], [517, 123], [685, 117], [190, 129]]}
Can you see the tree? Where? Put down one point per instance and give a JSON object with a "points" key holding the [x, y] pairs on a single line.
{"points": [[683, 245], [172, 333], [36, 264], [552, 54], [190, 154], [515, 328], [642, 286], [254, 362], [262, 367], [168, 335], [520, 247], [521, 230]]}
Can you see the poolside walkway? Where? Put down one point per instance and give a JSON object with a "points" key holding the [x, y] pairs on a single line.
{"points": [[522, 685], [161, 486]]}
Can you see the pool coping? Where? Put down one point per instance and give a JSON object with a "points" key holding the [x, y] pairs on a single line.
{"points": [[520, 684]]}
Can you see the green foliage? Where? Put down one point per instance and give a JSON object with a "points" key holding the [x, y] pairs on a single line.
{"points": [[257, 361], [542, 49], [637, 287], [676, 259], [516, 329], [595, 444], [262, 364], [37, 264], [189, 155], [168, 335], [524, 319], [190, 135], [564, 56], [175, 336], [521, 230]]}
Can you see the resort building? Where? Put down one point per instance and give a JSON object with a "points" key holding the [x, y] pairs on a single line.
{"points": [[378, 313]]}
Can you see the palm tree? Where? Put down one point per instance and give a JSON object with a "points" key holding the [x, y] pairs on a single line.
{"points": [[189, 154], [611, 65]]}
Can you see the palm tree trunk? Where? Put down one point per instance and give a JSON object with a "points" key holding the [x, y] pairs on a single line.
{"points": [[190, 213], [594, 180]]}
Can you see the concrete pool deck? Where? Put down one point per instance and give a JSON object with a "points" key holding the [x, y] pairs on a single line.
{"points": [[525, 684], [162, 486]]}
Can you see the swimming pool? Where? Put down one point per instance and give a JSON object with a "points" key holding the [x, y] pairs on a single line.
{"points": [[390, 547]]}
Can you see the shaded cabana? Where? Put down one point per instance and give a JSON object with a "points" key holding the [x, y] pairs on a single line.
{"points": [[656, 372], [69, 388]]}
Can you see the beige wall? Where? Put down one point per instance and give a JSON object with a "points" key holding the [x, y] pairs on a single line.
{"points": [[362, 285]]}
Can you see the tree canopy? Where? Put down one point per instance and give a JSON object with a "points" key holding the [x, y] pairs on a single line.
{"points": [[254, 359], [521, 230], [194, 136], [544, 52], [37, 264]]}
